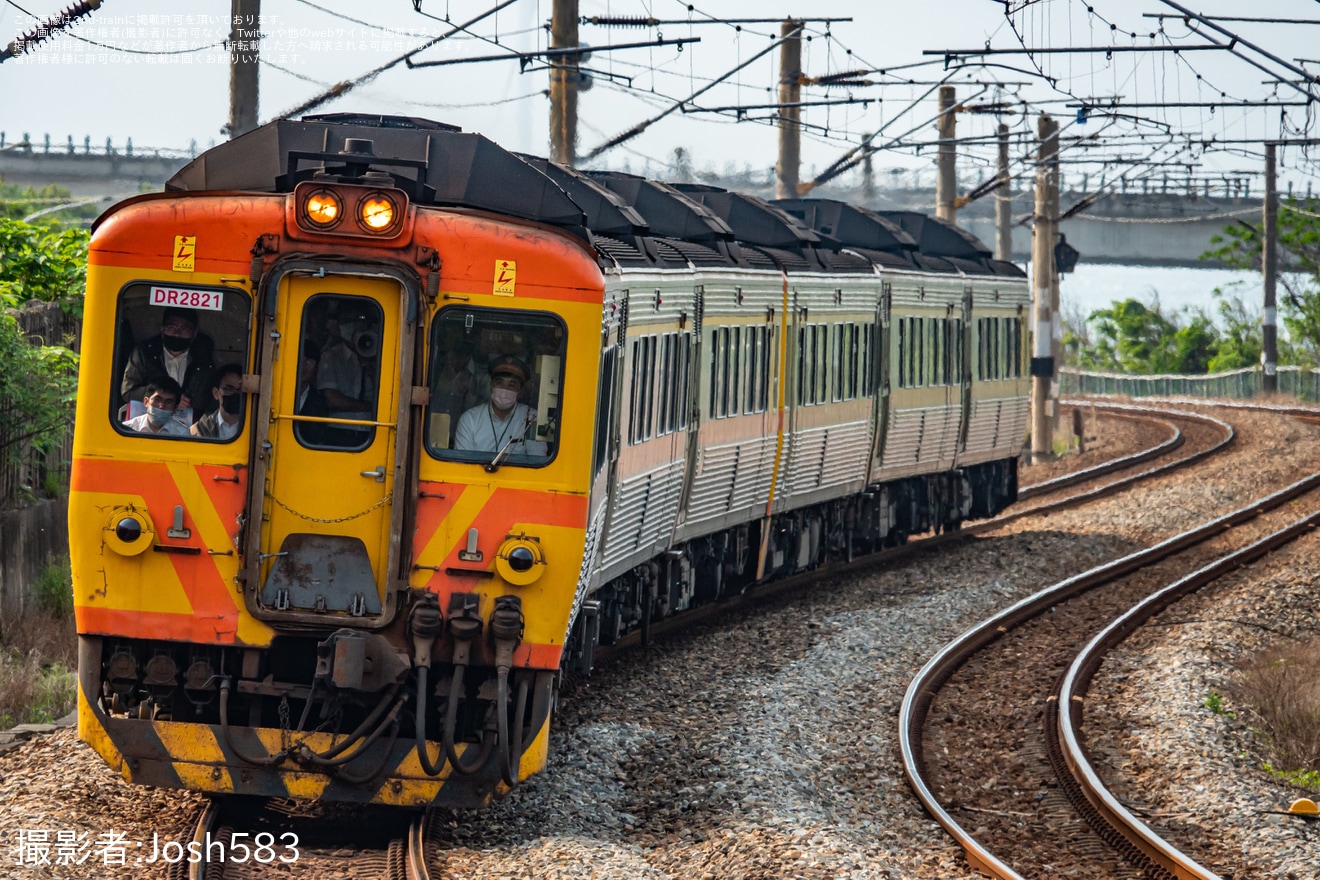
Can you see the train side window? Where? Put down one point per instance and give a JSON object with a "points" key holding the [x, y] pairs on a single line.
{"points": [[663, 425], [901, 350], [648, 388], [822, 359], [506, 350], [1015, 347], [179, 361], [683, 387], [609, 360]]}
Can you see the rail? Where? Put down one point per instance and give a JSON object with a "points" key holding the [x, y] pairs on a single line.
{"points": [[939, 669]]}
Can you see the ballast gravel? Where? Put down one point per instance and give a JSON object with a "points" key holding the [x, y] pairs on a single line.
{"points": [[765, 745]]}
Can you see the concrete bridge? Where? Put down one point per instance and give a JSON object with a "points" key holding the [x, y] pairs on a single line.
{"points": [[1157, 229]]}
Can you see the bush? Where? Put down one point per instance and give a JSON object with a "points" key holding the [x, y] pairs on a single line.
{"points": [[33, 691], [1281, 690], [54, 589]]}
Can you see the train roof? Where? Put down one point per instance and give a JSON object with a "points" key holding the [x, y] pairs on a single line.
{"points": [[436, 164], [632, 221]]}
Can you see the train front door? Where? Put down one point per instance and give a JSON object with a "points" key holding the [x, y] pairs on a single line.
{"points": [[334, 359]]}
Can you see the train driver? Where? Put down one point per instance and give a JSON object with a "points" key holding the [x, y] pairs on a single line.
{"points": [[225, 422], [162, 399], [179, 352], [503, 420]]}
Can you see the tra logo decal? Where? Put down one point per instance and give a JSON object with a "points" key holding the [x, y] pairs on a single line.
{"points": [[185, 252], [506, 273]]}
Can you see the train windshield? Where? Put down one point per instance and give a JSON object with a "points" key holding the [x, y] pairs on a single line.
{"points": [[495, 379], [180, 356]]}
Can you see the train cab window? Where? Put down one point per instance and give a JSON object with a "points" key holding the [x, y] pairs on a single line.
{"points": [[495, 376], [180, 356], [338, 371]]}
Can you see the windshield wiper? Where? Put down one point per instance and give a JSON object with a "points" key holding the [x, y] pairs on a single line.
{"points": [[513, 435]]}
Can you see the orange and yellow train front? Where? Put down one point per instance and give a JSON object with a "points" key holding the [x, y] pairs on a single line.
{"points": [[330, 491]]}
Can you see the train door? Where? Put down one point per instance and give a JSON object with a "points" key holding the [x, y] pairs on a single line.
{"points": [[964, 343], [332, 365]]}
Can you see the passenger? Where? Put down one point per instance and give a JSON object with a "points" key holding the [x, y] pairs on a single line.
{"points": [[457, 386], [161, 400], [488, 427], [227, 390], [179, 352], [345, 377]]}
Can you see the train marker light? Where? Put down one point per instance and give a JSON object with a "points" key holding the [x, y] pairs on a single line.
{"points": [[376, 213], [129, 531], [323, 208], [520, 560]]}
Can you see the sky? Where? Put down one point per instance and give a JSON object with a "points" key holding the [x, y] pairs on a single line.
{"points": [[68, 87]]}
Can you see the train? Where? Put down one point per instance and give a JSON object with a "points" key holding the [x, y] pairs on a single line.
{"points": [[382, 430]]}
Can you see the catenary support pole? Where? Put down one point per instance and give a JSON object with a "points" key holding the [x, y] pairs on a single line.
{"points": [[1056, 321], [1004, 202], [564, 83], [1042, 273], [946, 183], [790, 117], [1269, 355], [244, 43]]}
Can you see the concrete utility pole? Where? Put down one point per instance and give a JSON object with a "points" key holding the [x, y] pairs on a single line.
{"points": [[946, 183], [790, 118], [1269, 330], [244, 45], [564, 83], [1042, 277], [1004, 202]]}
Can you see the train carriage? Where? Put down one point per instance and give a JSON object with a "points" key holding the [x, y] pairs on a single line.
{"points": [[381, 429]]}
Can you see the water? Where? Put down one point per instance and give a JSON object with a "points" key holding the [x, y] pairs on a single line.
{"points": [[1098, 285]]}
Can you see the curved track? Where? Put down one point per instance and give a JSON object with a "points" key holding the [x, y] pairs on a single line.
{"points": [[1142, 850]]}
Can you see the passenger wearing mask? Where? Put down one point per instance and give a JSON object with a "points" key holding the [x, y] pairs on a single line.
{"points": [[490, 426], [161, 400], [227, 420], [179, 352]]}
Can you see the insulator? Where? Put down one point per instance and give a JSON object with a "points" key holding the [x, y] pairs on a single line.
{"points": [[622, 21]]}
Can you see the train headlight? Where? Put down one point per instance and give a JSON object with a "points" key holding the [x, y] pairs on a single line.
{"points": [[323, 209], [520, 560], [128, 531], [377, 213]]}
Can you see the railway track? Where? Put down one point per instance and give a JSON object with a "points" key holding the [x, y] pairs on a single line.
{"points": [[248, 840], [1019, 832]]}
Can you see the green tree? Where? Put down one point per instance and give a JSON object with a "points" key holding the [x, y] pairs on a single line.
{"points": [[43, 264], [1299, 254], [1240, 341], [37, 385], [18, 202], [37, 382]]}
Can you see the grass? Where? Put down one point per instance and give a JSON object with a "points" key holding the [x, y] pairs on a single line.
{"points": [[1281, 693], [38, 653]]}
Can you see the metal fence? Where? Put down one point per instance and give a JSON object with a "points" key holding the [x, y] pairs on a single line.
{"points": [[26, 474], [1302, 383]]}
